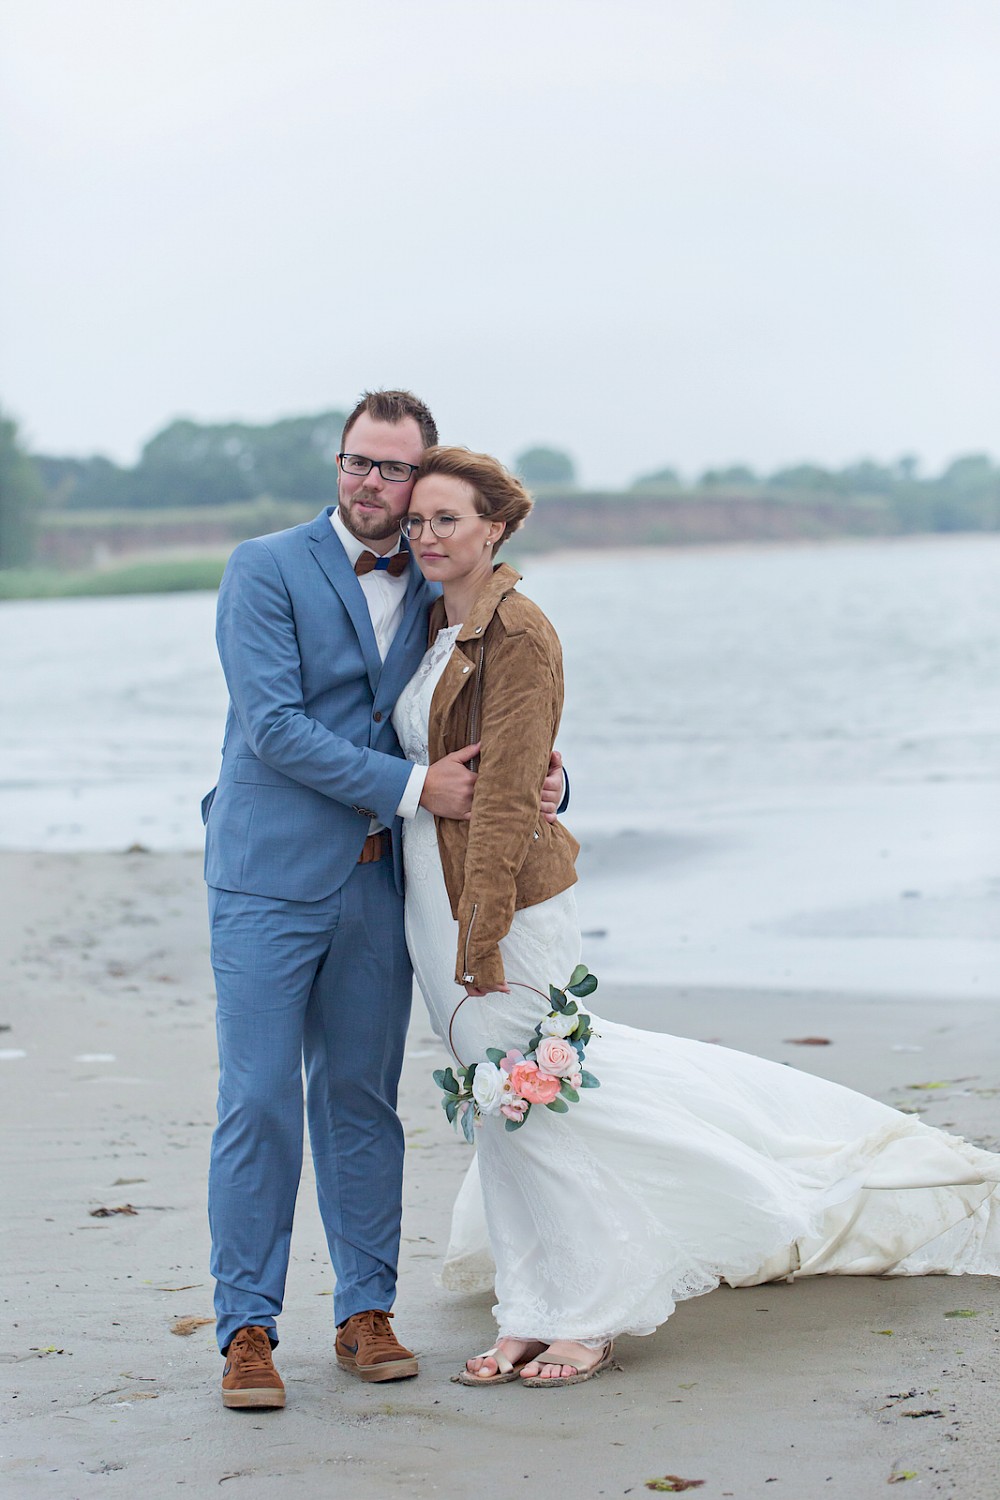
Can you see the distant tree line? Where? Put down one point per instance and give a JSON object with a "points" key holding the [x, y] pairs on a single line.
{"points": [[193, 463], [21, 497], [965, 496]]}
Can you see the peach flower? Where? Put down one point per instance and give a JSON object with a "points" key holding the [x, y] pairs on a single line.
{"points": [[536, 1087]]}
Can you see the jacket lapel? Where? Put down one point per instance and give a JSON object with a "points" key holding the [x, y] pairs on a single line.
{"points": [[332, 558]]}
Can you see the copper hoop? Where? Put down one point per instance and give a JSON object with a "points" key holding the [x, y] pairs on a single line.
{"points": [[519, 984]]}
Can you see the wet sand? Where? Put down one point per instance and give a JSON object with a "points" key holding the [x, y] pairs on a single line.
{"points": [[108, 1074]]}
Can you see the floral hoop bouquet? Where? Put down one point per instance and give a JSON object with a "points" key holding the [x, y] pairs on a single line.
{"points": [[549, 1071]]}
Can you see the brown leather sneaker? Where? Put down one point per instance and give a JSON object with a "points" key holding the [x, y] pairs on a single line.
{"points": [[250, 1378], [368, 1348]]}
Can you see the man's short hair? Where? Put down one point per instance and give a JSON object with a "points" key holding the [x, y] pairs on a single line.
{"points": [[393, 406]]}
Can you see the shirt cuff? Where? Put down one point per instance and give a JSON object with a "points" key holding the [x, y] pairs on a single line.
{"points": [[410, 800]]}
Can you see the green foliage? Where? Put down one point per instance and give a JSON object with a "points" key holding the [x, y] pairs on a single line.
{"points": [[736, 477], [882, 499], [198, 464], [583, 987], [658, 482], [83, 483], [169, 576], [21, 497], [807, 477], [545, 466]]}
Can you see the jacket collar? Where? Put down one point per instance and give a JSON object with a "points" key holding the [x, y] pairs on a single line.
{"points": [[497, 586]]}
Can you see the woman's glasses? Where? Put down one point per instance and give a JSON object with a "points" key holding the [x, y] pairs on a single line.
{"points": [[442, 526]]}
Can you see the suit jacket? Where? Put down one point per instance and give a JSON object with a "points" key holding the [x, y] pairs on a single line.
{"points": [[310, 754]]}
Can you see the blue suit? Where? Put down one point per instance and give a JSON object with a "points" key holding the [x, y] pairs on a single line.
{"points": [[307, 945]]}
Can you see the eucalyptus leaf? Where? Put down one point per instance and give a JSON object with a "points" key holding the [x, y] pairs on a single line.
{"points": [[585, 987], [513, 1124], [588, 1081], [495, 1055], [570, 1093], [469, 1124], [578, 975], [450, 1109], [558, 1106], [438, 1076], [449, 1081]]}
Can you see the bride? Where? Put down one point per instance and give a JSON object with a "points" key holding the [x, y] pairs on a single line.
{"points": [[690, 1164]]}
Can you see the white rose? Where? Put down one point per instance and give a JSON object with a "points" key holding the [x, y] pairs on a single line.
{"points": [[558, 1025], [487, 1088]]}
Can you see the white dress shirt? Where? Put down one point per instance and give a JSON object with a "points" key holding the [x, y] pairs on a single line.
{"points": [[386, 599]]}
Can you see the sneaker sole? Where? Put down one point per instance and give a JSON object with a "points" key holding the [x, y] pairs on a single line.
{"points": [[391, 1369], [263, 1396]]}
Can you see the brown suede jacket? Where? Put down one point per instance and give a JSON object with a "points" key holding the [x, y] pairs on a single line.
{"points": [[503, 686]]}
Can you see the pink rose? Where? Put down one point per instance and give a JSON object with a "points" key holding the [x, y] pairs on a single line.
{"points": [[536, 1087], [575, 1080], [554, 1055]]}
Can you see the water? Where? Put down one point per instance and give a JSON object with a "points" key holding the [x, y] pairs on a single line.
{"points": [[769, 748]]}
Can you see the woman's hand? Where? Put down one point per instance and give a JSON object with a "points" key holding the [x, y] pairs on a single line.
{"points": [[475, 993], [553, 788]]}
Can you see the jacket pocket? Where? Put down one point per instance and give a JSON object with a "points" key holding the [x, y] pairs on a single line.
{"points": [[249, 769]]}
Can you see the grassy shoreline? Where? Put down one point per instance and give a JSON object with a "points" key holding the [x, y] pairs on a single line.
{"points": [[145, 576]]}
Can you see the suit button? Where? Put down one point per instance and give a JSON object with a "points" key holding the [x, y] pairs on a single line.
{"points": [[377, 717]]}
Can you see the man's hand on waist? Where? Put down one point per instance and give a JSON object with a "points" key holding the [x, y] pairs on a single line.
{"points": [[449, 785]]}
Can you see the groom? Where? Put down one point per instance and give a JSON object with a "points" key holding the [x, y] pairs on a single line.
{"points": [[319, 628]]}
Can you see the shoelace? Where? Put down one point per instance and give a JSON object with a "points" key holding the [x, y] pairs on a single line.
{"points": [[376, 1325], [249, 1352]]}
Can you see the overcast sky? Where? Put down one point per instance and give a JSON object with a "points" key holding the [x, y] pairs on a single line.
{"points": [[645, 231]]}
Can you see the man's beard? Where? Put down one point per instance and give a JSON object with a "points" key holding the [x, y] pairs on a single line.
{"points": [[369, 528]]}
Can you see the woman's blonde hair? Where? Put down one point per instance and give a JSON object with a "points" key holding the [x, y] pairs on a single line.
{"points": [[496, 493]]}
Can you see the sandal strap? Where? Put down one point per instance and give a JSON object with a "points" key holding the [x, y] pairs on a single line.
{"points": [[503, 1364], [557, 1364]]}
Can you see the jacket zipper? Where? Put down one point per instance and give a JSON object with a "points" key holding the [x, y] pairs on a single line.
{"points": [[466, 976], [474, 713]]}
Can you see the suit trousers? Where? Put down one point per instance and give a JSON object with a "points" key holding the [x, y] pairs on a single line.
{"points": [[327, 983]]}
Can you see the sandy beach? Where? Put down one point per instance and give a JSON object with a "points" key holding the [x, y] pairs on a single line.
{"points": [[821, 1388]]}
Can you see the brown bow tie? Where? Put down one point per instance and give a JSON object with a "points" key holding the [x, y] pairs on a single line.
{"points": [[394, 566]]}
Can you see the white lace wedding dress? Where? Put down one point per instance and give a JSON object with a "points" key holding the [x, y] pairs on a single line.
{"points": [[690, 1165]]}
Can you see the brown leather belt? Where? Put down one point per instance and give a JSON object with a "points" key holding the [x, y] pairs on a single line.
{"points": [[374, 846]]}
